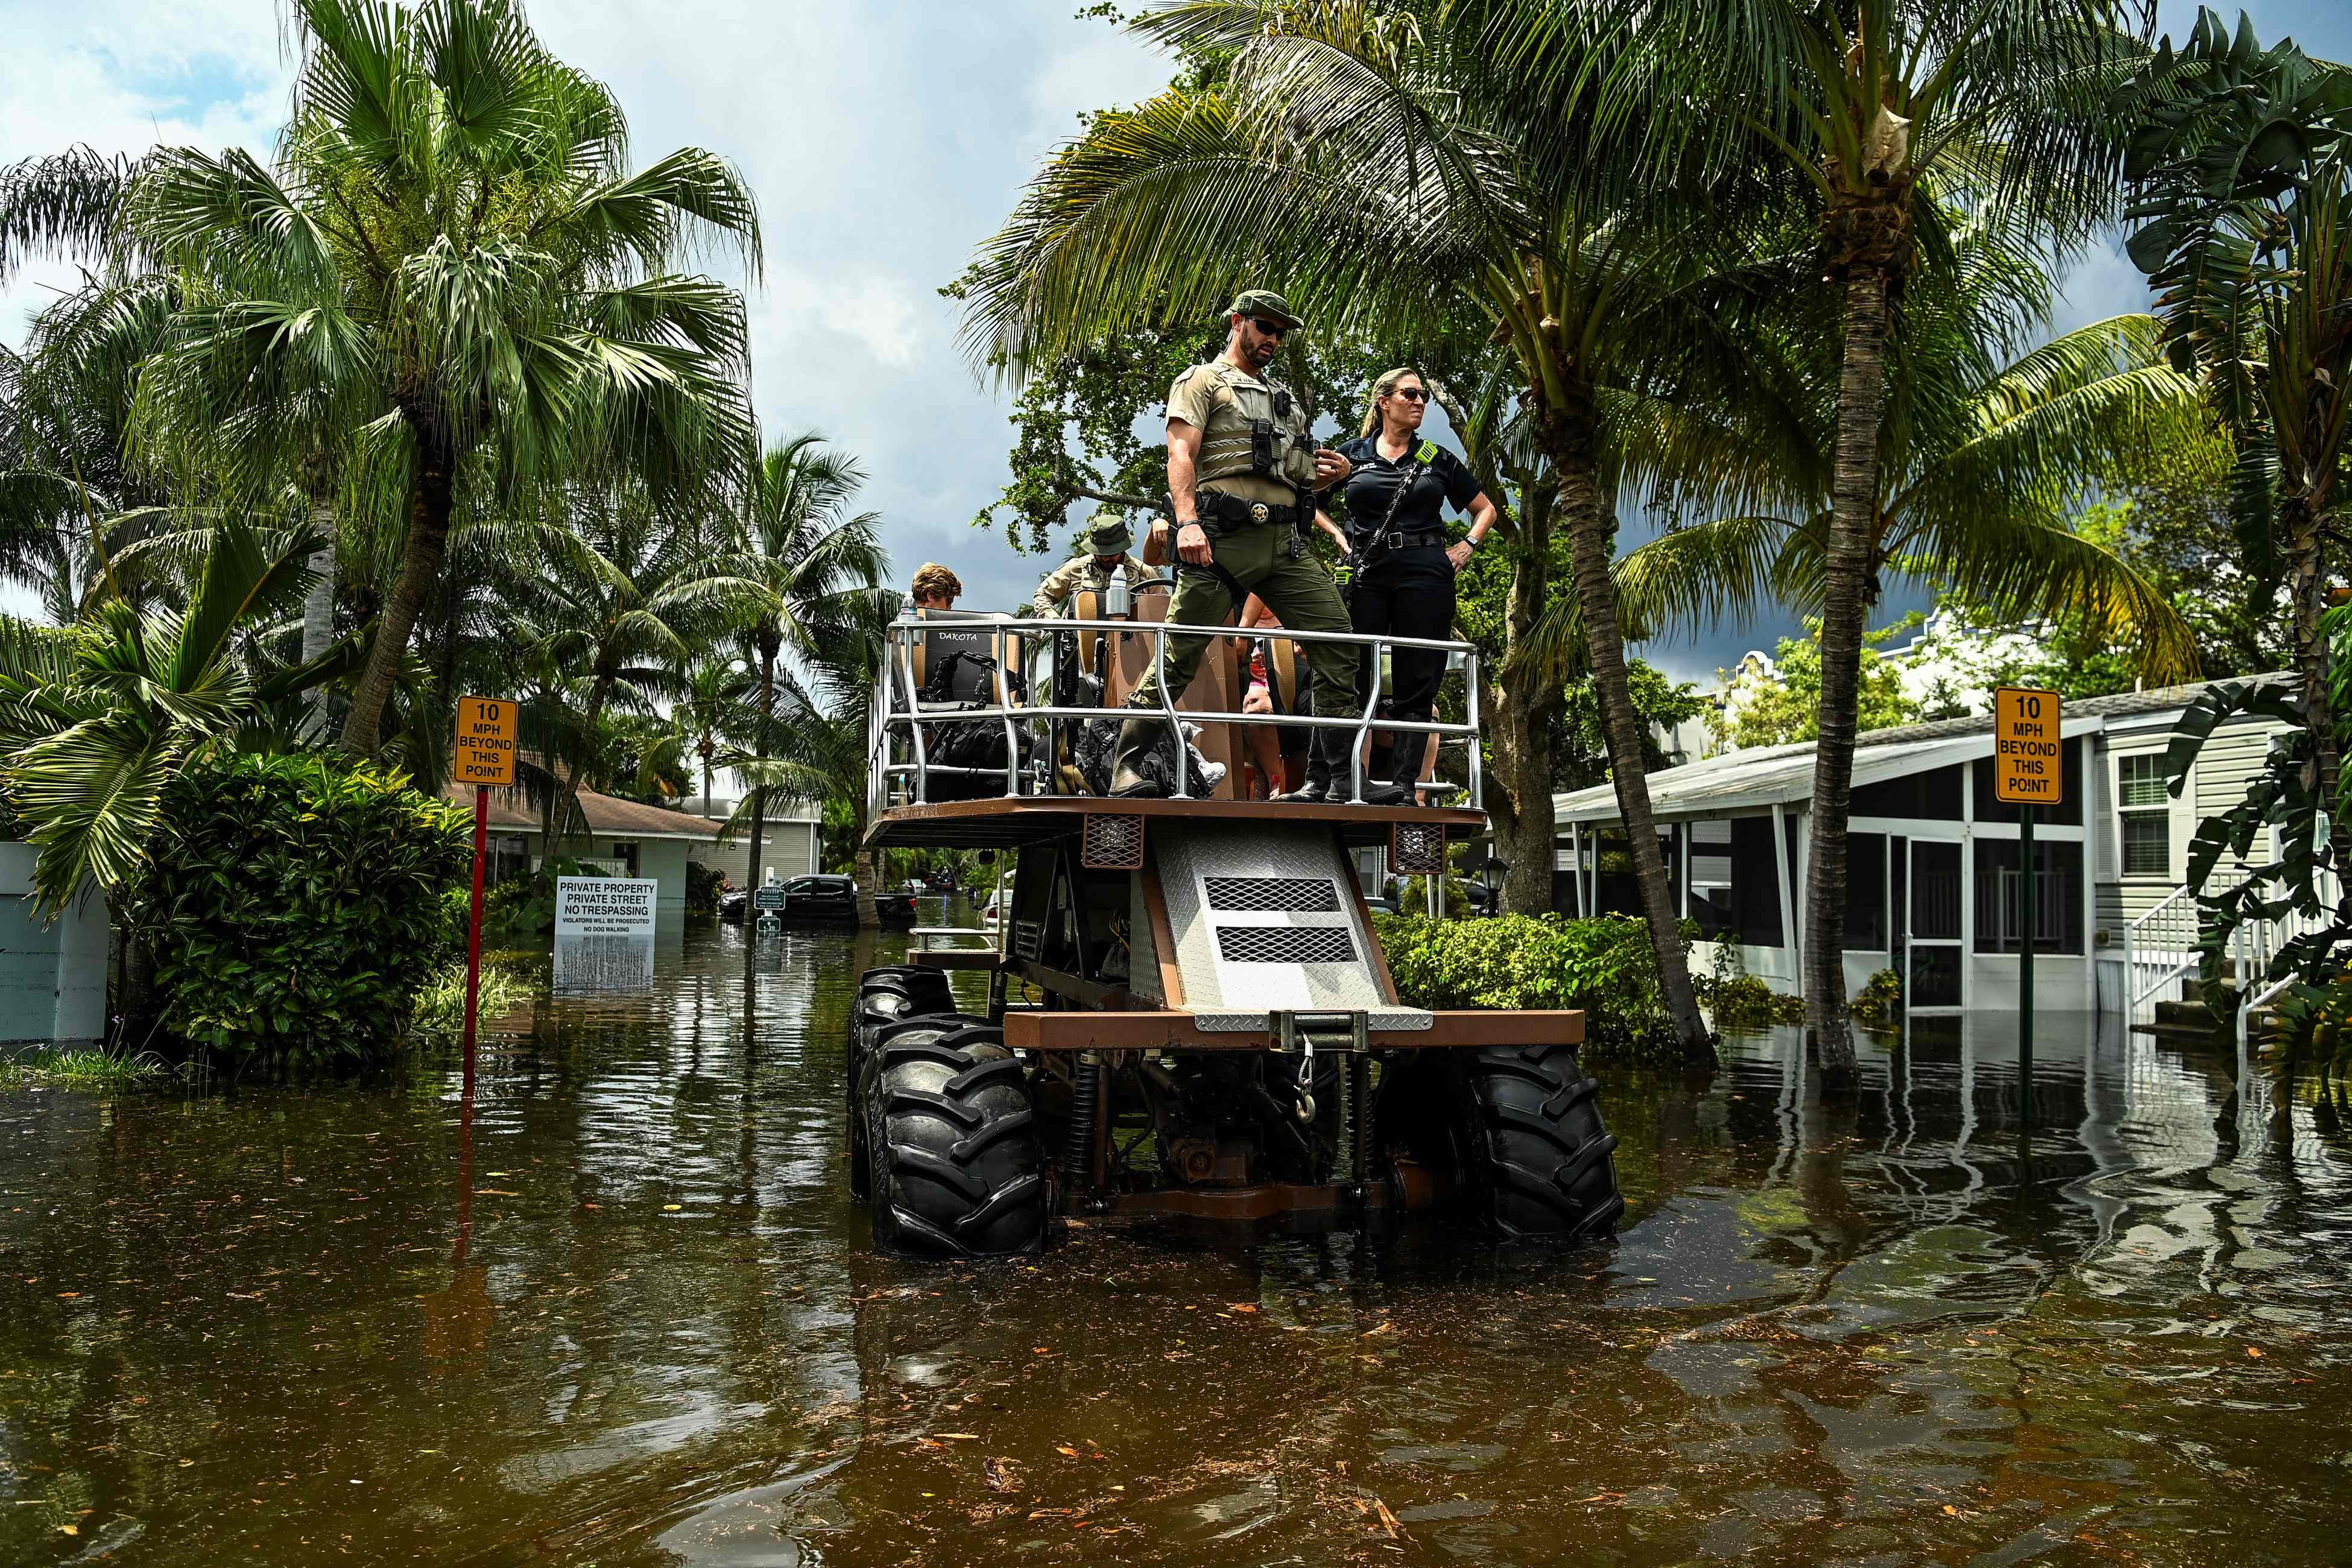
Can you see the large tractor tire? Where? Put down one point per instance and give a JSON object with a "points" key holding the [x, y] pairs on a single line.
{"points": [[885, 996], [956, 1169], [1535, 1157]]}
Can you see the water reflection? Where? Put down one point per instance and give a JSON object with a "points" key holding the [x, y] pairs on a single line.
{"points": [[625, 1314]]}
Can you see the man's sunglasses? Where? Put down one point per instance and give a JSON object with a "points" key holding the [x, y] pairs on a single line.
{"points": [[1410, 394], [1274, 330]]}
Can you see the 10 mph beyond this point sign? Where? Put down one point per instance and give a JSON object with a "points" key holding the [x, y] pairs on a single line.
{"points": [[485, 743], [2026, 754]]}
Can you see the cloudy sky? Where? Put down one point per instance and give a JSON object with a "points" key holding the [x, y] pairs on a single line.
{"points": [[885, 139]]}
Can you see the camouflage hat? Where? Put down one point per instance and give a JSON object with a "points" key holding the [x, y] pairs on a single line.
{"points": [[1264, 302], [1109, 534]]}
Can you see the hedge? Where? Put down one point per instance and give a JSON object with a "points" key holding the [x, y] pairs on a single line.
{"points": [[294, 906], [1602, 965]]}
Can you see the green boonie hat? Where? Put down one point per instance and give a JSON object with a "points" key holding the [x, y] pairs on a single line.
{"points": [[1109, 534], [1264, 302]]}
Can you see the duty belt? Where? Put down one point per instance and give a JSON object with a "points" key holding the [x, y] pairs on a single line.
{"points": [[1401, 541], [1240, 513]]}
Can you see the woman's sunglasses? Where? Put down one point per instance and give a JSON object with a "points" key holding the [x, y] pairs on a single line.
{"points": [[1410, 393]]}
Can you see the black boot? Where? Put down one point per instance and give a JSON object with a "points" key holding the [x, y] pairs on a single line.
{"points": [[1320, 765], [1126, 781], [1384, 761]]}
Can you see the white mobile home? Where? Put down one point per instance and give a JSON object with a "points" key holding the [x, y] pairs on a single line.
{"points": [[1933, 862]]}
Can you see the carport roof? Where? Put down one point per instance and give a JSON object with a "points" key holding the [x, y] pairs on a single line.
{"points": [[608, 815]]}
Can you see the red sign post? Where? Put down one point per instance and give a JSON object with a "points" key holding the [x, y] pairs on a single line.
{"points": [[484, 759]]}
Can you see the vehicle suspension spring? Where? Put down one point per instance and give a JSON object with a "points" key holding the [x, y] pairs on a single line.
{"points": [[1086, 1093]]}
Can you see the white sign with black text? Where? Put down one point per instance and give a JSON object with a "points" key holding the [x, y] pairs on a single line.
{"points": [[605, 932]]}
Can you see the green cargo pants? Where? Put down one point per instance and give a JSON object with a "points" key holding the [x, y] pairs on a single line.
{"points": [[1298, 590]]}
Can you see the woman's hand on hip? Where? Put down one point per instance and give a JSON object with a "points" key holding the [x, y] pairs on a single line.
{"points": [[1458, 554]]}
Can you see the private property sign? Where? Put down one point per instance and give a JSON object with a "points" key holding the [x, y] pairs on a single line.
{"points": [[605, 932], [485, 743], [2026, 754]]}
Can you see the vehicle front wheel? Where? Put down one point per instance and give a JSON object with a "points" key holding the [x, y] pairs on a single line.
{"points": [[951, 1135]]}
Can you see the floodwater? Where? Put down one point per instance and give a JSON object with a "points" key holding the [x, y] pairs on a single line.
{"points": [[628, 1317]]}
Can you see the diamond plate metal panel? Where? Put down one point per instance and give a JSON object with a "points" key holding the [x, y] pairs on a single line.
{"points": [[1412, 1019], [1189, 854]]}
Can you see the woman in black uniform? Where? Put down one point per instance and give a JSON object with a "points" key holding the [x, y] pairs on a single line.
{"points": [[1404, 586]]}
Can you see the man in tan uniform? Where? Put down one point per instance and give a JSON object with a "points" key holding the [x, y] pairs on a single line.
{"points": [[1242, 470], [1109, 538]]}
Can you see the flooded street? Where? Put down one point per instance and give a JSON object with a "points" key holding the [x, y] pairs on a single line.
{"points": [[628, 1316]]}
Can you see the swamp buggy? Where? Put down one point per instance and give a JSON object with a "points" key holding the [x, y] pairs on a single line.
{"points": [[1188, 1012]]}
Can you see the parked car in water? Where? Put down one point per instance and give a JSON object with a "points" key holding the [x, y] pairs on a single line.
{"points": [[820, 898]]}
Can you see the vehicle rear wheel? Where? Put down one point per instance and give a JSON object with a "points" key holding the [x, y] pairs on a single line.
{"points": [[956, 1168], [1536, 1158]]}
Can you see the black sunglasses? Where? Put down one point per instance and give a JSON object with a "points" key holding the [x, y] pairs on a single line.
{"points": [[1274, 330], [1410, 394]]}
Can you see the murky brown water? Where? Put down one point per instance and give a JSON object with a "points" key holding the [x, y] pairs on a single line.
{"points": [[636, 1323]]}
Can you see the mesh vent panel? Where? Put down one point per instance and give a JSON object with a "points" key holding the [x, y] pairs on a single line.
{"points": [[1286, 944], [1416, 850], [1112, 843], [1310, 895]]}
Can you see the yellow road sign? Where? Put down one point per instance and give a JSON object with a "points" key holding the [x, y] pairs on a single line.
{"points": [[485, 742], [2027, 759]]}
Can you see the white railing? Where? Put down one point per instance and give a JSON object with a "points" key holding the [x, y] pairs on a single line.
{"points": [[2160, 949], [900, 773]]}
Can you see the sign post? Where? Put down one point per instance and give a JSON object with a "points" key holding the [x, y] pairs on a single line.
{"points": [[485, 758], [2028, 770]]}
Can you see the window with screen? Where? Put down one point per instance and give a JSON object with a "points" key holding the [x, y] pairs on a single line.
{"points": [[2146, 812]]}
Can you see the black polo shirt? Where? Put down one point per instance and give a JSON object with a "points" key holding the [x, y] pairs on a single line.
{"points": [[1372, 488]]}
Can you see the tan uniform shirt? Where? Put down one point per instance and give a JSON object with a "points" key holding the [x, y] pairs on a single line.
{"points": [[1201, 399], [1070, 576]]}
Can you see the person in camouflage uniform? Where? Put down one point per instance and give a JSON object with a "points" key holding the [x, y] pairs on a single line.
{"points": [[1242, 470], [1109, 539]]}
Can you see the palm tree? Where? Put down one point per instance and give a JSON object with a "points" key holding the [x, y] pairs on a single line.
{"points": [[617, 592], [95, 718], [1388, 177], [797, 539], [709, 708], [1980, 471], [1874, 108], [449, 275], [2241, 168]]}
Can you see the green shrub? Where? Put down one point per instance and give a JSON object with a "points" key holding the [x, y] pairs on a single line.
{"points": [[1879, 1004], [1601, 965], [702, 888], [294, 905], [1737, 1001], [1741, 1001]]}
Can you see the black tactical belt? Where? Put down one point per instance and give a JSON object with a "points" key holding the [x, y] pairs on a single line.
{"points": [[1222, 507], [1403, 540]]}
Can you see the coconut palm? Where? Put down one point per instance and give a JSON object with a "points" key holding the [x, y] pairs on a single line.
{"points": [[1878, 109], [1389, 178], [617, 592], [448, 275], [2240, 170], [710, 709], [796, 538], [1982, 466]]}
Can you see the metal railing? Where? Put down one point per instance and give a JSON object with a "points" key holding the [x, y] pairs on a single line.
{"points": [[2161, 948], [898, 713]]}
